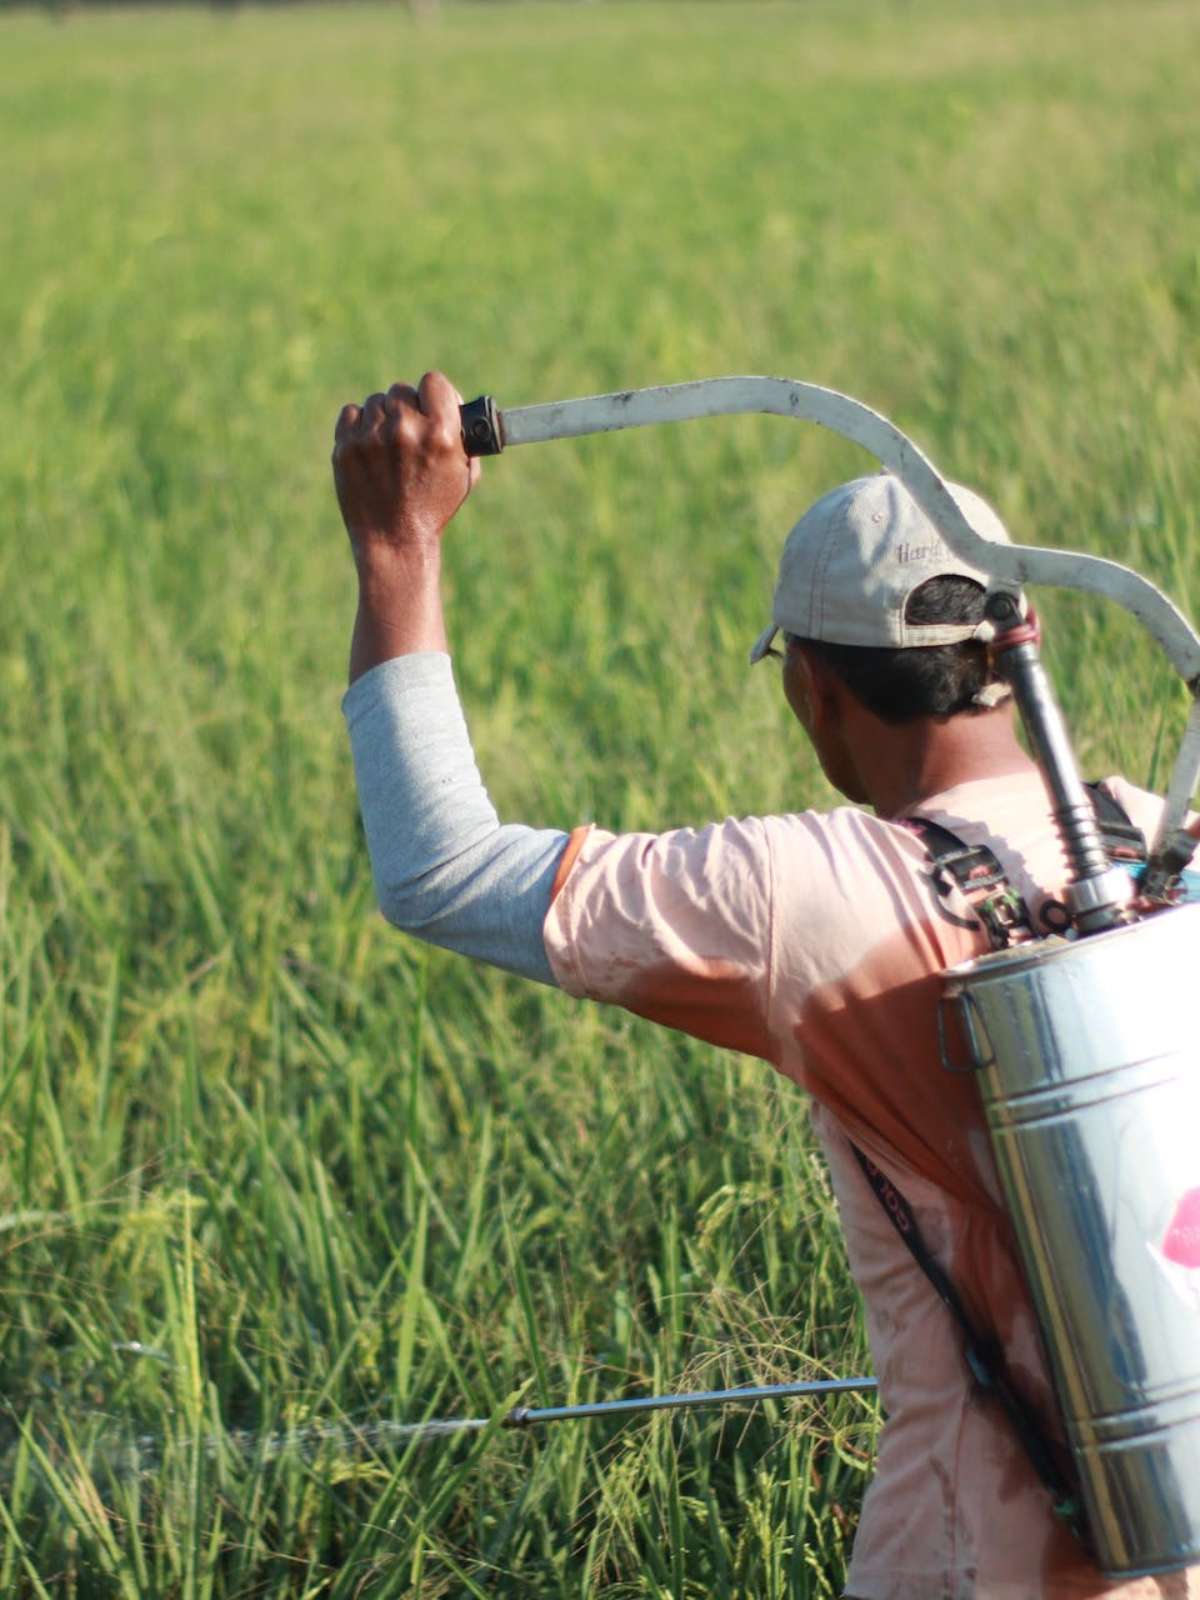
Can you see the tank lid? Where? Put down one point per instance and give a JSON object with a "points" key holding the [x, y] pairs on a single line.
{"points": [[1015, 959], [1162, 927]]}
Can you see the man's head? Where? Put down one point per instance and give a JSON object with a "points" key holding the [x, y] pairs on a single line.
{"points": [[874, 606]]}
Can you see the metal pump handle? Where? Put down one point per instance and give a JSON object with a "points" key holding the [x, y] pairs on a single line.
{"points": [[487, 430]]}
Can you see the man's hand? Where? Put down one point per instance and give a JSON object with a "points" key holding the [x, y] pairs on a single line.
{"points": [[401, 473], [400, 468]]}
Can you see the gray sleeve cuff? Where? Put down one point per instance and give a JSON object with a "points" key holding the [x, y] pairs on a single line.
{"points": [[445, 869]]}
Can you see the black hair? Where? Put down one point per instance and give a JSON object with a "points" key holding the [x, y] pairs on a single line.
{"points": [[939, 680]]}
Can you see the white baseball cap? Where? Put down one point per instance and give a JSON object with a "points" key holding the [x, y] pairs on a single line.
{"points": [[853, 560]]}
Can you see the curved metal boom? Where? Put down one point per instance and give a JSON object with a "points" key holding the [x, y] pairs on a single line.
{"points": [[1009, 566]]}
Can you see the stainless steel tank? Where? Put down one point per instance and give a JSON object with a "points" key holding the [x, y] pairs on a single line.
{"points": [[1087, 1054]]}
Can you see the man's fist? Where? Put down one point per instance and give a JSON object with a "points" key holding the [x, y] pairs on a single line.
{"points": [[400, 468]]}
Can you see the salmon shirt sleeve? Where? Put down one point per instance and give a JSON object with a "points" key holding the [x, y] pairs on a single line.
{"points": [[675, 926], [811, 940]]}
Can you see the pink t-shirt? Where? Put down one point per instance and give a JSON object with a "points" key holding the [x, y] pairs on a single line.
{"points": [[816, 941]]}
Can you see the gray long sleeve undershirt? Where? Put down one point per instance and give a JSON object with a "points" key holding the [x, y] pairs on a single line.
{"points": [[445, 869]]}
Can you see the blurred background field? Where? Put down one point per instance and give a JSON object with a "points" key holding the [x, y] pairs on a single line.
{"points": [[320, 1175]]}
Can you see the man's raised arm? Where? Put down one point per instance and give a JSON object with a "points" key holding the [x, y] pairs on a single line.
{"points": [[445, 870], [675, 926]]}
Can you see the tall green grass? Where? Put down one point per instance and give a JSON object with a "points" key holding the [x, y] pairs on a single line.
{"points": [[323, 1176]]}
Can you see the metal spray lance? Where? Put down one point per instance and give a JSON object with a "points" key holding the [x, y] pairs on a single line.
{"points": [[1085, 1047]]}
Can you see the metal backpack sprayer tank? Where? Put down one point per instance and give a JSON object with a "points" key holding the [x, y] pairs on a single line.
{"points": [[1086, 1053], [1084, 1044]]}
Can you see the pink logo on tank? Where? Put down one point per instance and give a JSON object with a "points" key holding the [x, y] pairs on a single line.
{"points": [[1181, 1242]]}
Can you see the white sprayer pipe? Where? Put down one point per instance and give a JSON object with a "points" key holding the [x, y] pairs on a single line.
{"points": [[1010, 565]]}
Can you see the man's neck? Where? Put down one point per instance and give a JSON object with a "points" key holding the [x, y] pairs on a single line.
{"points": [[903, 767]]}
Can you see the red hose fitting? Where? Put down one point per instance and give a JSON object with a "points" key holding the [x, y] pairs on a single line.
{"points": [[1027, 631]]}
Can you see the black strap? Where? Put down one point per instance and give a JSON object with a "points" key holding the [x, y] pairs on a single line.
{"points": [[984, 1356], [977, 873], [981, 880], [1122, 839]]}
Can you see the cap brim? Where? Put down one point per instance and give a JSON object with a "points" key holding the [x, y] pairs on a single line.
{"points": [[763, 643]]}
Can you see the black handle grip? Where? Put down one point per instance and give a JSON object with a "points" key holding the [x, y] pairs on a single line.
{"points": [[482, 427]]}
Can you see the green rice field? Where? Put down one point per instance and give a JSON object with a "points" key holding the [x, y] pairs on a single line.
{"points": [[274, 1177]]}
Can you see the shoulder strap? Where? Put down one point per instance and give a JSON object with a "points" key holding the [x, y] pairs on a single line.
{"points": [[984, 1356], [1122, 838], [977, 873]]}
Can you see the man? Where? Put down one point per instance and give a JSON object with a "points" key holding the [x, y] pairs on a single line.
{"points": [[813, 941]]}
